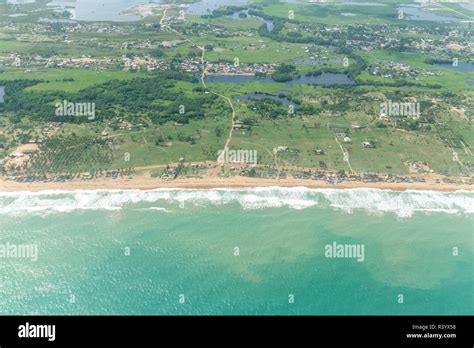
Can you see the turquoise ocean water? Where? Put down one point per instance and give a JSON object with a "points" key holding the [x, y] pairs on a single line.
{"points": [[182, 242]]}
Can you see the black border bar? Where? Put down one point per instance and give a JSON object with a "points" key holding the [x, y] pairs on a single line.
{"points": [[222, 330]]}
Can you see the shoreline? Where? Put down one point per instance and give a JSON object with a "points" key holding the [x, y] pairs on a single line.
{"points": [[147, 183]]}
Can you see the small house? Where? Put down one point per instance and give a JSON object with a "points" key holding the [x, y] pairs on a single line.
{"points": [[17, 155]]}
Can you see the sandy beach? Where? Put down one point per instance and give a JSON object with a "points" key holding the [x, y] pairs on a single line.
{"points": [[148, 183]]}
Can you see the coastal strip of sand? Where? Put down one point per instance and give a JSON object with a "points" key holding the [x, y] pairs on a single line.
{"points": [[149, 183]]}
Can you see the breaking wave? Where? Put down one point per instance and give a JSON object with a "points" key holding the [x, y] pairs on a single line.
{"points": [[373, 201], [403, 204]]}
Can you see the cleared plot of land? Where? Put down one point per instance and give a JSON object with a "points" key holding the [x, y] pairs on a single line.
{"points": [[198, 141]]}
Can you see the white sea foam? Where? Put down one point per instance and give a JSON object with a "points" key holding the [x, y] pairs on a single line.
{"points": [[404, 204], [157, 209], [373, 201]]}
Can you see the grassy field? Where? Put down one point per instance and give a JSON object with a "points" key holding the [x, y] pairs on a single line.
{"points": [[60, 79], [144, 150], [304, 139], [333, 14]]}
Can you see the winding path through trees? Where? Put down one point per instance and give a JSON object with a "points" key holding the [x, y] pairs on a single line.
{"points": [[203, 76]]}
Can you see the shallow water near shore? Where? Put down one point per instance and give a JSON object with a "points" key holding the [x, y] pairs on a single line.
{"points": [[182, 242]]}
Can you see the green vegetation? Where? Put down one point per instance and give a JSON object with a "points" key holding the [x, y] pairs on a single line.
{"points": [[152, 109]]}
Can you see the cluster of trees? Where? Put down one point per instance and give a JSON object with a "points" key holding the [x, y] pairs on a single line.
{"points": [[154, 97], [277, 35], [357, 63], [273, 109], [19, 103], [285, 72], [224, 11], [156, 53], [259, 13], [71, 154], [267, 108]]}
